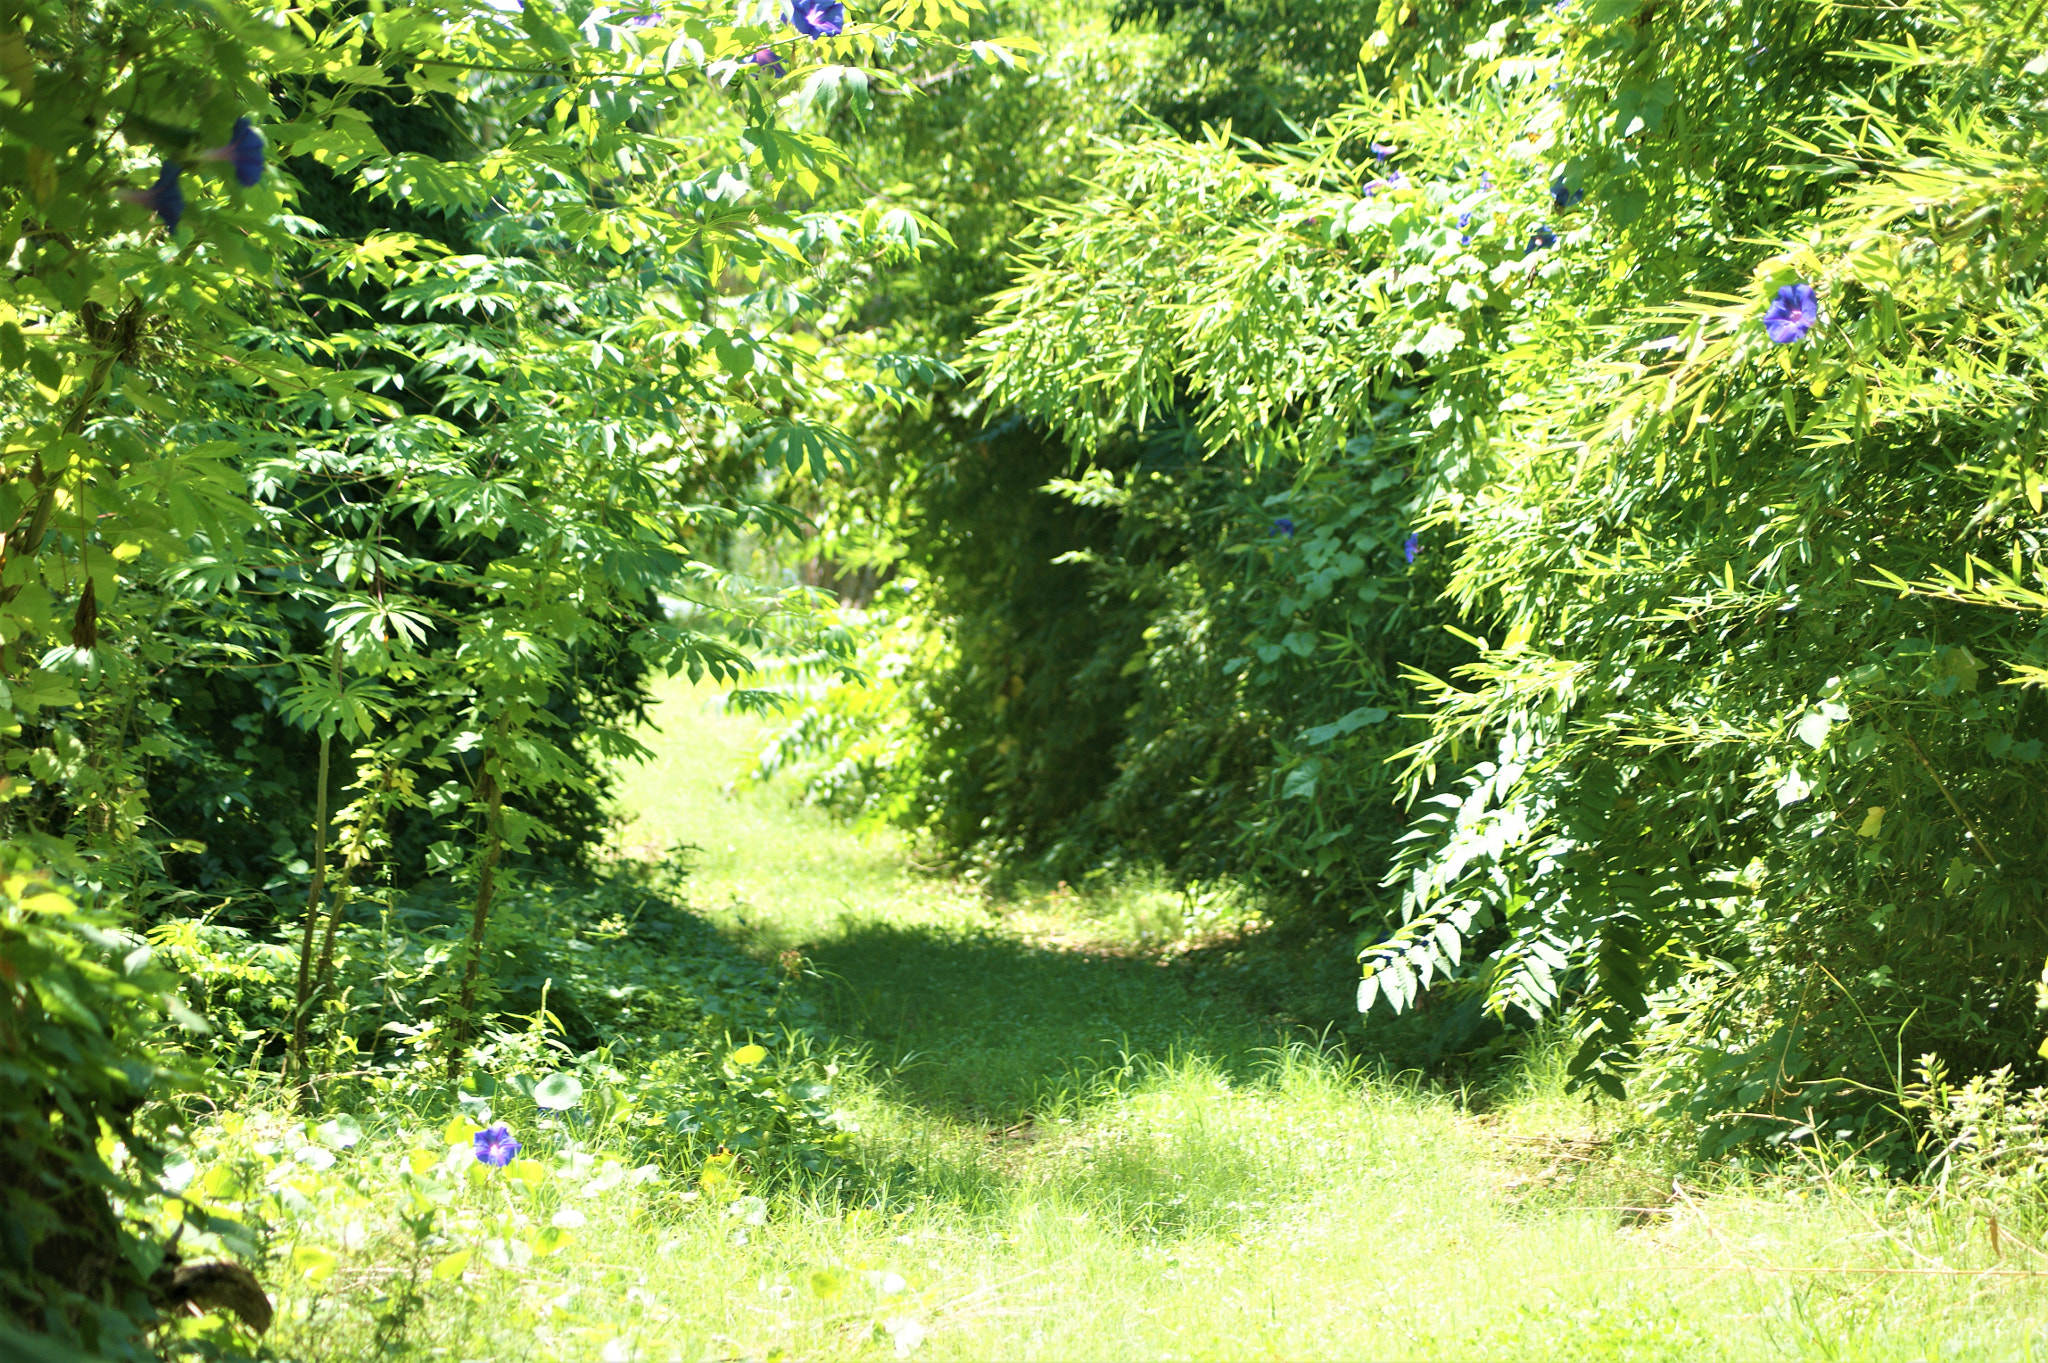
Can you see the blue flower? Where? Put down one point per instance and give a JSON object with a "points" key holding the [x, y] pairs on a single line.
{"points": [[767, 60], [1382, 150], [244, 150], [1411, 546], [1793, 314], [495, 1146], [163, 198], [818, 18], [644, 20], [1543, 240], [1563, 195], [1486, 179], [1284, 526]]}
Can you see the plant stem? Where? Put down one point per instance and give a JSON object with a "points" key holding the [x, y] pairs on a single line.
{"points": [[324, 971], [1983, 844], [303, 998], [493, 795]]}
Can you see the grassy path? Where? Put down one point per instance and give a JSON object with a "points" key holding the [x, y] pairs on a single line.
{"points": [[1079, 1153]]}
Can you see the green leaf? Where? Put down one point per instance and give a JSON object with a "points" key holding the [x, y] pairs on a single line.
{"points": [[314, 1264], [1357, 719], [558, 1092], [47, 368]]}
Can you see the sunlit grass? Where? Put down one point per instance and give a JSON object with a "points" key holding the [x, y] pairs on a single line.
{"points": [[772, 871], [1066, 1152]]}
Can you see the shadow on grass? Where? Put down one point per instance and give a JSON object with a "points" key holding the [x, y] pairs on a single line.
{"points": [[979, 1026]]}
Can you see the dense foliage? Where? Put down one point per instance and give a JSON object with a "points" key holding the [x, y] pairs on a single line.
{"points": [[1549, 493], [1640, 396], [382, 389]]}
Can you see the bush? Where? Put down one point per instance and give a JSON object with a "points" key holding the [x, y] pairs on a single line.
{"points": [[609, 979], [88, 1251], [1741, 772]]}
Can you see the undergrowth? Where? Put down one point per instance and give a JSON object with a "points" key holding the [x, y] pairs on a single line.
{"points": [[1052, 1137]]}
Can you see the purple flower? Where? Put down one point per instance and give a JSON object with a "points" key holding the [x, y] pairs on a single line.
{"points": [[495, 1146], [1284, 526], [818, 18], [1793, 314], [1411, 546], [1382, 150], [1486, 179], [1542, 241], [644, 20], [1563, 195], [163, 198], [766, 59], [244, 150], [1395, 177]]}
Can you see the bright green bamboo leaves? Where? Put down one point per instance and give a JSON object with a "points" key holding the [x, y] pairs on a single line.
{"points": [[1750, 592]]}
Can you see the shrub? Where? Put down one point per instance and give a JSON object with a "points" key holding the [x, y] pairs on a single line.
{"points": [[88, 1253]]}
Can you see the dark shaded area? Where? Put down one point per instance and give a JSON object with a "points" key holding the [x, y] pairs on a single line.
{"points": [[1270, 69], [981, 1026], [985, 1027]]}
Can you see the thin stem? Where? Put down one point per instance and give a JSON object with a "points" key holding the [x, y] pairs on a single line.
{"points": [[323, 973], [1983, 843], [302, 999], [492, 792]]}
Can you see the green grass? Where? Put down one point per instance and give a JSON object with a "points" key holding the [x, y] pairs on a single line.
{"points": [[1074, 1148]]}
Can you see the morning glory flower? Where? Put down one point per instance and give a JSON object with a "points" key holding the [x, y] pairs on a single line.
{"points": [[1793, 314], [1486, 179], [1284, 526], [1563, 195], [1395, 177], [1382, 150], [818, 18], [163, 198], [1543, 240], [244, 150], [495, 1146], [1411, 546], [644, 20], [768, 61]]}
